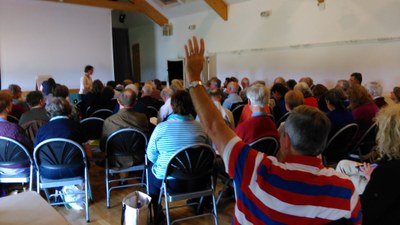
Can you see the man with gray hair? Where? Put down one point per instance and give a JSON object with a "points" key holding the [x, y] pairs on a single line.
{"points": [[298, 189], [147, 99], [260, 124], [375, 90], [232, 91]]}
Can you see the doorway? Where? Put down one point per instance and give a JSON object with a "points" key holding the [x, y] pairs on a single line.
{"points": [[136, 63], [175, 70], [122, 55]]}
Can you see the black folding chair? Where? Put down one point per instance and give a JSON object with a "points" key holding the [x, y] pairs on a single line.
{"points": [[267, 145], [102, 113]]}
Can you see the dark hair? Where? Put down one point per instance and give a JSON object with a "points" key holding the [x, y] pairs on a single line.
{"points": [[216, 80], [33, 98], [358, 96], [319, 91], [157, 82], [112, 84], [181, 103], [280, 88], [357, 76], [107, 93], [291, 83], [97, 87], [14, 89], [88, 67], [335, 98], [61, 91]]}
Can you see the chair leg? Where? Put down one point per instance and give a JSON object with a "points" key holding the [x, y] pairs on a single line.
{"points": [[107, 190], [87, 191]]}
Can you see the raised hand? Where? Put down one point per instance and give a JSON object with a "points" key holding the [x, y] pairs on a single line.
{"points": [[194, 55]]}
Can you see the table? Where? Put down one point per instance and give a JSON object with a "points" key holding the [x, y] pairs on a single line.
{"points": [[28, 208]]}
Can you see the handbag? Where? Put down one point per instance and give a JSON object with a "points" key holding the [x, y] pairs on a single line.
{"points": [[135, 208]]}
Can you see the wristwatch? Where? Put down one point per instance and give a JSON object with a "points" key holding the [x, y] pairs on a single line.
{"points": [[195, 83]]}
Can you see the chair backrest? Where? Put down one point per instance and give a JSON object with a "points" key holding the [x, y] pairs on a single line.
{"points": [[56, 153], [152, 112], [282, 119], [102, 113], [191, 162], [125, 142], [13, 153], [267, 145], [92, 127], [367, 141], [338, 146], [237, 112]]}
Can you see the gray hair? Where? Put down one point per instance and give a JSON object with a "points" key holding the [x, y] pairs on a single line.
{"points": [[303, 88], [308, 129], [258, 95], [58, 106], [147, 89], [166, 92], [234, 86], [374, 88]]}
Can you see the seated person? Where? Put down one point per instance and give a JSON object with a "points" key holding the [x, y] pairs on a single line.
{"points": [[309, 99], [379, 192], [292, 100], [260, 124], [165, 109], [62, 91], [36, 102], [298, 189], [178, 131], [147, 98], [375, 90], [13, 131], [61, 126], [278, 92], [395, 95], [338, 114], [232, 90], [125, 118], [216, 97]]}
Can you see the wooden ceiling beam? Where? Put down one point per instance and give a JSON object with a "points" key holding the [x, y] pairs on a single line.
{"points": [[220, 7], [132, 6]]}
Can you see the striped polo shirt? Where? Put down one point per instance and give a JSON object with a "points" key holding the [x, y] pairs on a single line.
{"points": [[297, 191], [169, 136]]}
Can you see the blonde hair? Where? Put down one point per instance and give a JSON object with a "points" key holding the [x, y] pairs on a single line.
{"points": [[388, 120]]}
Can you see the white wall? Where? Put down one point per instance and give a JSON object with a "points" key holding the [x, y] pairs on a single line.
{"points": [[45, 38], [329, 44]]}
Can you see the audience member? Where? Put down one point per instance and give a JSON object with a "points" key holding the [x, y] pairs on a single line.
{"points": [[279, 80], [178, 131], [62, 91], [379, 193], [125, 118], [269, 191], [278, 93], [13, 131], [155, 93], [92, 100], [177, 85], [146, 98], [375, 90], [165, 109], [338, 114], [343, 85], [293, 99], [245, 82], [355, 78], [319, 92], [17, 97], [308, 81], [260, 124], [309, 99], [290, 84], [48, 87], [215, 83], [216, 97], [233, 97], [362, 107], [86, 80], [60, 126], [35, 100], [395, 95]]}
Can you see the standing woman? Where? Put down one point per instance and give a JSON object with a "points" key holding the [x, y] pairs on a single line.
{"points": [[86, 80]]}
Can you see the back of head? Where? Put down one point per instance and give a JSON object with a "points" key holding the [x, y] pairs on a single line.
{"points": [[303, 88], [61, 91], [358, 96], [344, 85], [374, 88], [127, 98], [14, 89], [132, 87], [58, 107], [158, 84], [233, 86], [335, 98], [280, 80], [280, 88], [307, 80], [147, 89], [308, 129], [112, 84], [5, 100], [258, 95], [293, 99], [126, 82], [357, 76], [166, 92], [34, 97], [177, 85], [107, 93], [181, 103], [388, 121], [319, 91], [97, 87], [290, 84]]}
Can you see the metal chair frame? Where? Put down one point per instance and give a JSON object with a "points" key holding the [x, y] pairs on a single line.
{"points": [[266, 139], [22, 177], [44, 183], [101, 111], [110, 171]]}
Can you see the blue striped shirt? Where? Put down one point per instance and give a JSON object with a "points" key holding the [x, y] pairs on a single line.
{"points": [[170, 136]]}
